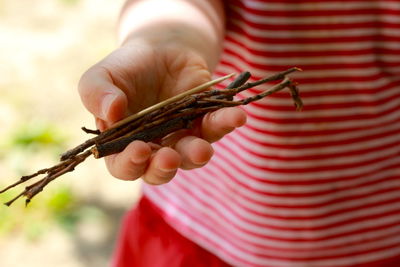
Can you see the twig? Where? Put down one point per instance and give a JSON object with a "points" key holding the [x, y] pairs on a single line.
{"points": [[156, 122]]}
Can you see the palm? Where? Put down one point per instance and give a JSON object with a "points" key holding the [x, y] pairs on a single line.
{"points": [[148, 76]]}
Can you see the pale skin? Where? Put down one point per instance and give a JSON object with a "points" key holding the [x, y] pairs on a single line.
{"points": [[167, 46]]}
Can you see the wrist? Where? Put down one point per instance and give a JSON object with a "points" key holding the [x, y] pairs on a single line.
{"points": [[176, 37], [196, 25]]}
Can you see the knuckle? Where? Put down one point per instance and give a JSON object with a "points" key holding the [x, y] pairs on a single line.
{"points": [[158, 177]]}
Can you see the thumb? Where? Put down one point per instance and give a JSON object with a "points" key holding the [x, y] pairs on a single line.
{"points": [[100, 96]]}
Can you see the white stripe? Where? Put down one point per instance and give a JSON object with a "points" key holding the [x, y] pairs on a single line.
{"points": [[304, 175], [338, 85], [392, 103], [232, 178], [315, 33], [324, 73], [215, 204], [216, 189], [312, 151], [328, 73], [221, 186], [249, 138], [265, 137], [336, 19], [315, 6], [364, 98], [308, 60], [316, 246], [312, 126], [359, 247], [324, 162], [332, 46], [202, 231], [225, 225]]}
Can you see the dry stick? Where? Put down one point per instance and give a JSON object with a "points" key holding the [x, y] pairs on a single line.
{"points": [[157, 121], [22, 193], [45, 181], [146, 136], [113, 133], [294, 92], [138, 123], [285, 83], [158, 131], [24, 179], [34, 189], [197, 89], [234, 91], [70, 153], [39, 172], [89, 131], [164, 127], [168, 109], [169, 105], [240, 80], [155, 116]]}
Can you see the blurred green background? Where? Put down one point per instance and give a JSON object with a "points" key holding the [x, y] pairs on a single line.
{"points": [[45, 46]]}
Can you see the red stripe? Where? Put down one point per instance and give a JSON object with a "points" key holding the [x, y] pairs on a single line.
{"points": [[316, 119], [368, 104], [317, 168], [276, 66], [320, 144], [211, 227], [284, 181], [318, 131], [377, 37], [311, 53], [212, 224], [267, 215], [320, 78], [229, 208], [290, 158], [372, 24], [345, 183], [328, 200], [327, 205], [316, 12]]}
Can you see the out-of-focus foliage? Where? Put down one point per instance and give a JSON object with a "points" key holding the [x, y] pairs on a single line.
{"points": [[45, 46], [58, 204], [58, 207], [37, 135], [70, 2]]}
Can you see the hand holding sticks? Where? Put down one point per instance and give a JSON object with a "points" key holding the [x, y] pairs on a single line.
{"points": [[156, 122]]}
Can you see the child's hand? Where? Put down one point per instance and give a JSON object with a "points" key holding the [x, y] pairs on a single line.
{"points": [[139, 75]]}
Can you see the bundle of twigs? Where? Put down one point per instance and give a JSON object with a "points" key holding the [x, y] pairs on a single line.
{"points": [[156, 122]]}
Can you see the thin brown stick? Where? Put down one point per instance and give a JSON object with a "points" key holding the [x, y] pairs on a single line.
{"points": [[173, 99], [155, 123]]}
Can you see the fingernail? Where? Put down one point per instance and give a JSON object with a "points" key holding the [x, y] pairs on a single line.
{"points": [[167, 170], [140, 159], [219, 115], [106, 104]]}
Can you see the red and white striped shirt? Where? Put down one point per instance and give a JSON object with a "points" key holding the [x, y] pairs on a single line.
{"points": [[319, 187]]}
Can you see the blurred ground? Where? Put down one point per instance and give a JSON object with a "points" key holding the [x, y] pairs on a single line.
{"points": [[45, 45]]}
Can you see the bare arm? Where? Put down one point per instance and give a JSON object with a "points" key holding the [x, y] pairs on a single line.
{"points": [[198, 24], [167, 47]]}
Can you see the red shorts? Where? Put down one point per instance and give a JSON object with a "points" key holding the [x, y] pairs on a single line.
{"points": [[146, 240]]}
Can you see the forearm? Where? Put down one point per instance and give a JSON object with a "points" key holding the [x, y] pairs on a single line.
{"points": [[196, 24]]}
